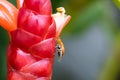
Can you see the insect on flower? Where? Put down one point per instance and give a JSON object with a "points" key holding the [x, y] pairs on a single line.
{"points": [[60, 48], [31, 56]]}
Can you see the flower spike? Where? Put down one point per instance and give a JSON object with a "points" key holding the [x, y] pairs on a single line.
{"points": [[34, 32]]}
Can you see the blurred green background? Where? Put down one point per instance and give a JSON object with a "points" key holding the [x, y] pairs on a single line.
{"points": [[92, 41]]}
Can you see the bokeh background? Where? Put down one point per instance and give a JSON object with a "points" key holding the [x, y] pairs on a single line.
{"points": [[92, 41]]}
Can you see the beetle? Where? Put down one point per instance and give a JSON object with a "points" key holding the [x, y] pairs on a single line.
{"points": [[60, 48]]}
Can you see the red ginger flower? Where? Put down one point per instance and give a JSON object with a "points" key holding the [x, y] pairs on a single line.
{"points": [[33, 31]]}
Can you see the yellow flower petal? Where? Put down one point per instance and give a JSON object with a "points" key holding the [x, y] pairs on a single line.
{"points": [[61, 20], [19, 3], [8, 15]]}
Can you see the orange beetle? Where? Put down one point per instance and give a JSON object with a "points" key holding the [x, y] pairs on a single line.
{"points": [[60, 48]]}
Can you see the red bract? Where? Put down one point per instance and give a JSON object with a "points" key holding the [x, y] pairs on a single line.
{"points": [[40, 6], [33, 41], [32, 47]]}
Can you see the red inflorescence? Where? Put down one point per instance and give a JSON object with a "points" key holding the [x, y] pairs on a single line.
{"points": [[32, 48]]}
